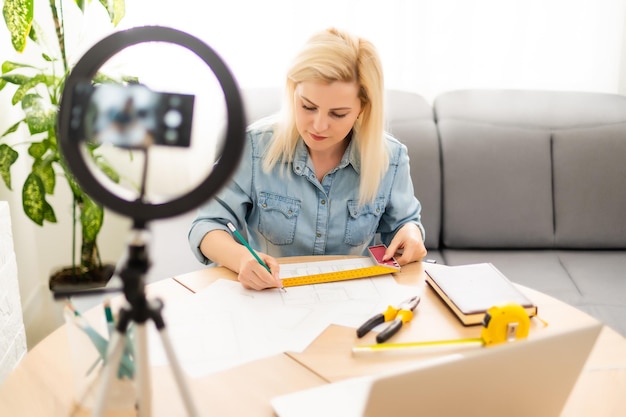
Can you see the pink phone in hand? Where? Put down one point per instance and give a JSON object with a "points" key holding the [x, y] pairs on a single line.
{"points": [[377, 252]]}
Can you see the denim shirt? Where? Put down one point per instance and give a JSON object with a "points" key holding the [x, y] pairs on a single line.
{"points": [[288, 212]]}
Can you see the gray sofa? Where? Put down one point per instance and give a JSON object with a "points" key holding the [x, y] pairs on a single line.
{"points": [[532, 181]]}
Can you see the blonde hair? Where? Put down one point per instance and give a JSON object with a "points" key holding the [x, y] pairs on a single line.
{"points": [[334, 55]]}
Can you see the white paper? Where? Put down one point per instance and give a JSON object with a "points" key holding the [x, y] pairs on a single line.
{"points": [[226, 325]]}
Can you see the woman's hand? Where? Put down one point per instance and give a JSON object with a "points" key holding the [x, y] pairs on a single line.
{"points": [[254, 276], [410, 241]]}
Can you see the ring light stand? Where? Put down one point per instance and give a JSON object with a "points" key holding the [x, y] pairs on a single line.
{"points": [[139, 309]]}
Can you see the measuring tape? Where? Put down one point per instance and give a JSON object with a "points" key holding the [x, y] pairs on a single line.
{"points": [[504, 323], [365, 272]]}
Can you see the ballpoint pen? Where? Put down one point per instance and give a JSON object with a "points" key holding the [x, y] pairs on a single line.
{"points": [[247, 245]]}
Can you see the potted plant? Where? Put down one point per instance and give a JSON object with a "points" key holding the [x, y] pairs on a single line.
{"points": [[38, 92]]}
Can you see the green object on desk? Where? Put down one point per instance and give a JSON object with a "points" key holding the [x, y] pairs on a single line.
{"points": [[109, 317], [126, 368]]}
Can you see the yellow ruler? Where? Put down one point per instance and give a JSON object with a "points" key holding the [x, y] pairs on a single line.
{"points": [[364, 272]]}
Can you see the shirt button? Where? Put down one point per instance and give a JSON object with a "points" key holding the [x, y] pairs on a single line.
{"points": [[289, 211], [319, 235], [323, 202], [264, 205]]}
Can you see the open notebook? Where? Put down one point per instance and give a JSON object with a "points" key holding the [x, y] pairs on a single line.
{"points": [[531, 377]]}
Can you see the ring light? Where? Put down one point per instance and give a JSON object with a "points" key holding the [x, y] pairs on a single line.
{"points": [[227, 159]]}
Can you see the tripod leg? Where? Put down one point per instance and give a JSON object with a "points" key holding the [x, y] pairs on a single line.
{"points": [[114, 356], [144, 384], [177, 370]]}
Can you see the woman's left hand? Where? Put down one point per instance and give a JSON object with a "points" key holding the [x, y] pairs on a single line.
{"points": [[411, 243]]}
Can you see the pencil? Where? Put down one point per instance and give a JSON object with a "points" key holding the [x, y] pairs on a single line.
{"points": [[247, 245]]}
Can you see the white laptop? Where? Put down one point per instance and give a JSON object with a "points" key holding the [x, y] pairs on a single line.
{"points": [[526, 378]]}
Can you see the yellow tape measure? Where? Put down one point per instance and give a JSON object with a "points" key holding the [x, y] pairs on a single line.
{"points": [[365, 272]]}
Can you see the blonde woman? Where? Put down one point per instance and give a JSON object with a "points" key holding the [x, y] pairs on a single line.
{"points": [[322, 177]]}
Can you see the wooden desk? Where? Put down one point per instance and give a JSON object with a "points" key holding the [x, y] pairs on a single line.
{"points": [[246, 390], [598, 392]]}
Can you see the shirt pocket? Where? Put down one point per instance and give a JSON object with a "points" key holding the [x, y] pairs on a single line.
{"points": [[278, 218], [363, 221]]}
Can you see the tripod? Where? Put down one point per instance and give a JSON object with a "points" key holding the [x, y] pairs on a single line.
{"points": [[139, 310]]}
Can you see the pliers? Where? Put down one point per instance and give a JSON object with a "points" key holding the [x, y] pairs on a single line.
{"points": [[397, 315]]}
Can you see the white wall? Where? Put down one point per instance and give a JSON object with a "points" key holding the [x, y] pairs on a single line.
{"points": [[12, 333], [428, 46]]}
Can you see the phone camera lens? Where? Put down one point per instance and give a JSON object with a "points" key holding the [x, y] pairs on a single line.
{"points": [[172, 119]]}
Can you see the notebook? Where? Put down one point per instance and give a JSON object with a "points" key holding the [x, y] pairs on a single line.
{"points": [[471, 290], [529, 377]]}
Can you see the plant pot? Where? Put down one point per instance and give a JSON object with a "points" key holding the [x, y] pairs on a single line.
{"points": [[68, 278]]}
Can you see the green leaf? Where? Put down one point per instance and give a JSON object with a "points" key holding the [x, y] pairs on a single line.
{"points": [[18, 15], [31, 100], [108, 170], [38, 149], [8, 156], [40, 120], [101, 78], [18, 79], [32, 34], [8, 66], [45, 172], [91, 218], [28, 85], [12, 129], [76, 190], [81, 5], [116, 11], [34, 201]]}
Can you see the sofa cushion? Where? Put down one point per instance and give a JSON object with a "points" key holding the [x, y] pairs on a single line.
{"points": [[532, 169], [590, 187], [497, 186]]}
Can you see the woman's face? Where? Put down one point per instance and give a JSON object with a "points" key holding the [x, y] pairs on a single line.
{"points": [[325, 113]]}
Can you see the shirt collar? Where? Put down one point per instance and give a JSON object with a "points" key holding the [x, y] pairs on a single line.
{"points": [[301, 157]]}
